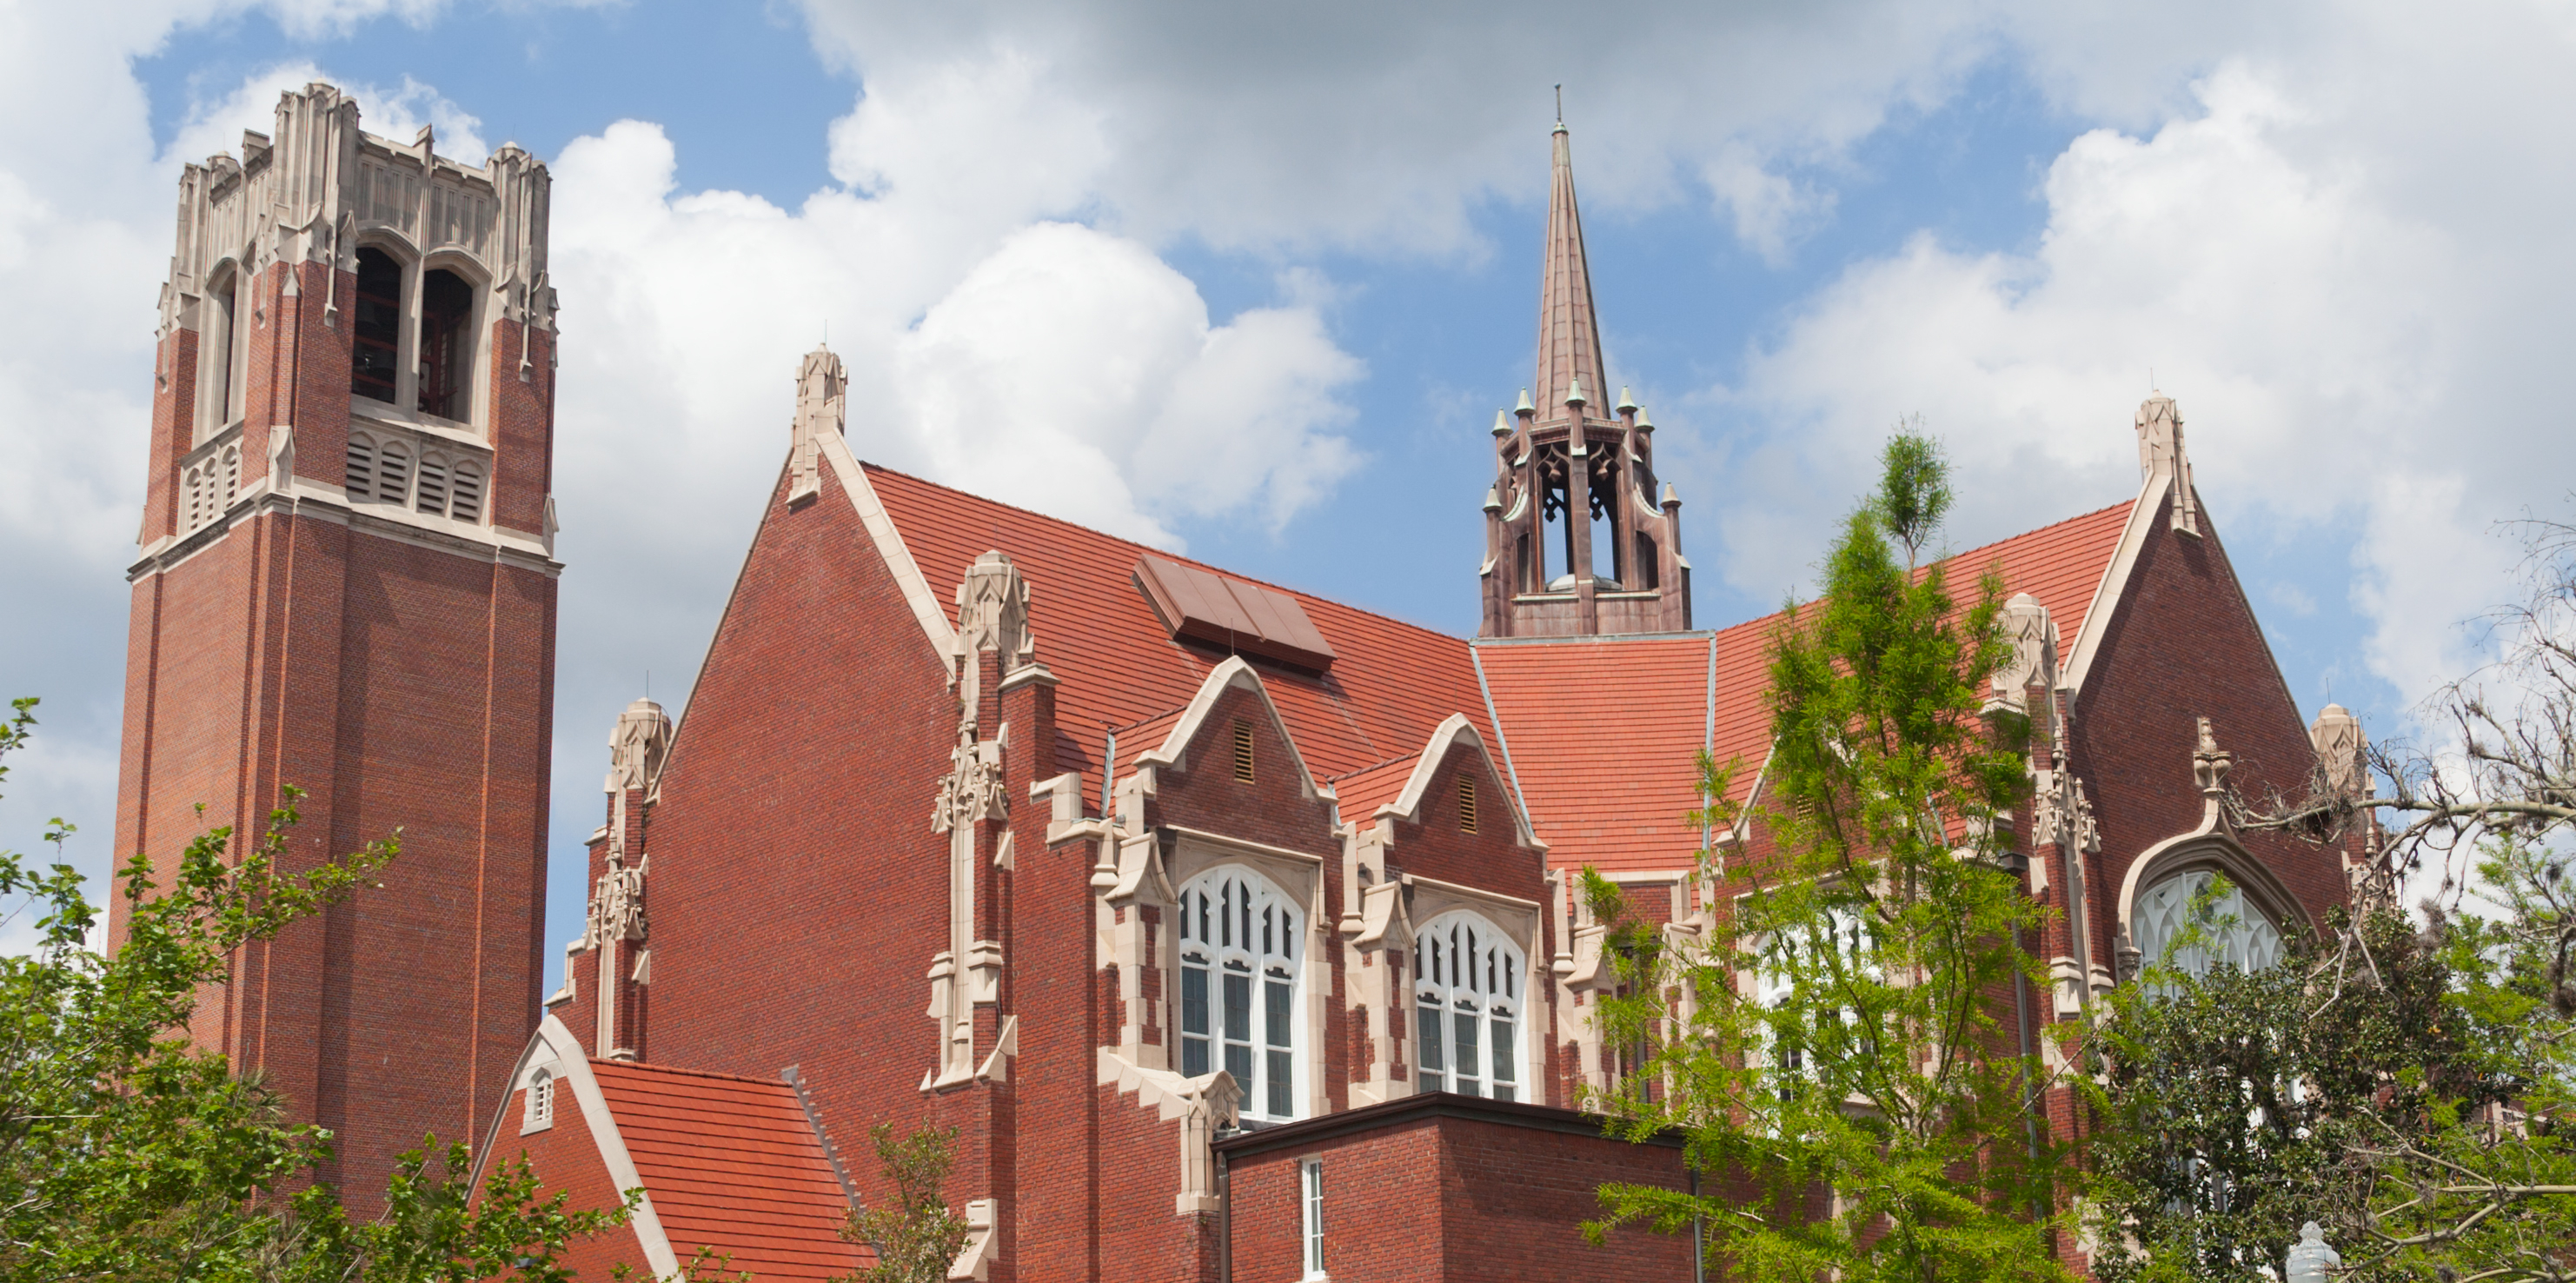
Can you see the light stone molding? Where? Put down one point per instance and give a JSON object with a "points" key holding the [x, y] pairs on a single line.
{"points": [[1407, 804], [889, 544], [1232, 674], [2212, 845], [1202, 1105], [553, 1047], [983, 1247], [2160, 453], [2032, 635], [822, 409]]}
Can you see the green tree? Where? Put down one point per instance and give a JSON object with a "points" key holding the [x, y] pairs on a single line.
{"points": [[126, 1153], [1838, 1053], [916, 1237], [2405, 1079]]}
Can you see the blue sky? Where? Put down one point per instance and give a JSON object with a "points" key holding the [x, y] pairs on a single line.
{"points": [[1252, 284]]}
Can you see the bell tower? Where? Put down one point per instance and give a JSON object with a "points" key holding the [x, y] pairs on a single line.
{"points": [[1576, 541], [346, 584]]}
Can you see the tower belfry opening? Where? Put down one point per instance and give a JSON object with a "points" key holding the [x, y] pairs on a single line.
{"points": [[1577, 542]]}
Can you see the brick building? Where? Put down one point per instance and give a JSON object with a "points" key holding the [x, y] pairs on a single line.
{"points": [[346, 585], [1233, 928]]}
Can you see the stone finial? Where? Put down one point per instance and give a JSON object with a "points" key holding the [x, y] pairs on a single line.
{"points": [[1627, 403], [637, 747], [2209, 767], [822, 383], [1502, 423], [2160, 454], [2033, 636], [1525, 409], [992, 614], [1574, 391], [2339, 743]]}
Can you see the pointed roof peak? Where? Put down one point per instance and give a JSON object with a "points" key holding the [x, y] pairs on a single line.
{"points": [[1569, 341]]}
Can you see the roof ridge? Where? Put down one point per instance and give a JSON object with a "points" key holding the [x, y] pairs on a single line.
{"points": [[660, 1068], [1185, 558]]}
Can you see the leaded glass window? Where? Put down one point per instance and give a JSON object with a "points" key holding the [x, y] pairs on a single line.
{"points": [[1240, 942], [1468, 1006]]}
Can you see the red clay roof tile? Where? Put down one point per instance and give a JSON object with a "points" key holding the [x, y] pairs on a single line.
{"points": [[730, 1163]]}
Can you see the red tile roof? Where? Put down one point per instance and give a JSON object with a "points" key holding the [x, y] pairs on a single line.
{"points": [[730, 1163], [1390, 686], [1608, 779], [1600, 731]]}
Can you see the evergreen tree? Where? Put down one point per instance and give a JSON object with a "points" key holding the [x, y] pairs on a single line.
{"points": [[1838, 1053]]}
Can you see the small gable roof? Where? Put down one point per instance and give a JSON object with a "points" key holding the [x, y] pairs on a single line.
{"points": [[731, 1164]]}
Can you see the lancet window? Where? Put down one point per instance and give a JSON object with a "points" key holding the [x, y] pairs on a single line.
{"points": [[375, 340], [1842, 949], [1468, 1000], [223, 360], [412, 343], [1241, 945], [2232, 930]]}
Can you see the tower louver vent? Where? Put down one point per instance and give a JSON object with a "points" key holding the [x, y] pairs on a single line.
{"points": [[1203, 606]]}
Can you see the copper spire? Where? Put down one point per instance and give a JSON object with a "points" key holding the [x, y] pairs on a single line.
{"points": [[1569, 347]]}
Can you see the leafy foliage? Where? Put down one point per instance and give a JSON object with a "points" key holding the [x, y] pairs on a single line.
{"points": [[916, 1236], [126, 1153], [1869, 1112]]}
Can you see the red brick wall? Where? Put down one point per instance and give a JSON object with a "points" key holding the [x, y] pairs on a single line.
{"points": [[1427, 1197], [2184, 644], [797, 891], [566, 1158], [402, 687]]}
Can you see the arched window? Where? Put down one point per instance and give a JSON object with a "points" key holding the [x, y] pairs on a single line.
{"points": [[1241, 943], [375, 340], [1467, 991], [541, 1103], [393, 472], [465, 492], [223, 359], [446, 345], [431, 491], [362, 465], [1843, 946], [2232, 930]]}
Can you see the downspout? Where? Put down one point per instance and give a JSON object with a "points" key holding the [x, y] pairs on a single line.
{"points": [[1224, 1221], [1699, 1244], [2021, 1019]]}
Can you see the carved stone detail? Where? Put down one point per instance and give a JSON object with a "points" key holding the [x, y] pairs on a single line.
{"points": [[617, 904], [972, 790], [821, 406], [2033, 636], [2160, 453]]}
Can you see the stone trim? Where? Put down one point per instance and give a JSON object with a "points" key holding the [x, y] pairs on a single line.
{"points": [[2115, 580], [1232, 673], [889, 541], [1408, 803], [554, 1045]]}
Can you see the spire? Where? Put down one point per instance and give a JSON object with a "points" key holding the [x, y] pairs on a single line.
{"points": [[1569, 347]]}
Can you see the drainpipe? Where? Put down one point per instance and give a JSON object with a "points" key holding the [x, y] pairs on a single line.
{"points": [[2021, 1018], [1699, 1245], [1224, 1222]]}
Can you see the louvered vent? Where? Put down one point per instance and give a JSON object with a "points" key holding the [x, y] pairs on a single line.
{"points": [[1466, 804], [362, 467], [1243, 751], [465, 493], [433, 487]]}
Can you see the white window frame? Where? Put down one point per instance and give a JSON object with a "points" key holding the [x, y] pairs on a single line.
{"points": [[2251, 942], [1773, 985], [539, 1113], [1239, 895], [1310, 1217], [1470, 977]]}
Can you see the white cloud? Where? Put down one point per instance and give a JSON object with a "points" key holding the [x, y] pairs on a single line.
{"points": [[2332, 339]]}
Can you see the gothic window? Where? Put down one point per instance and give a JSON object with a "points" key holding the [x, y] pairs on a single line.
{"points": [[1797, 959], [1240, 945], [1467, 1007], [2232, 931], [375, 339], [223, 360], [465, 492], [540, 1113], [430, 492], [361, 470], [1525, 579], [1650, 571], [446, 345]]}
